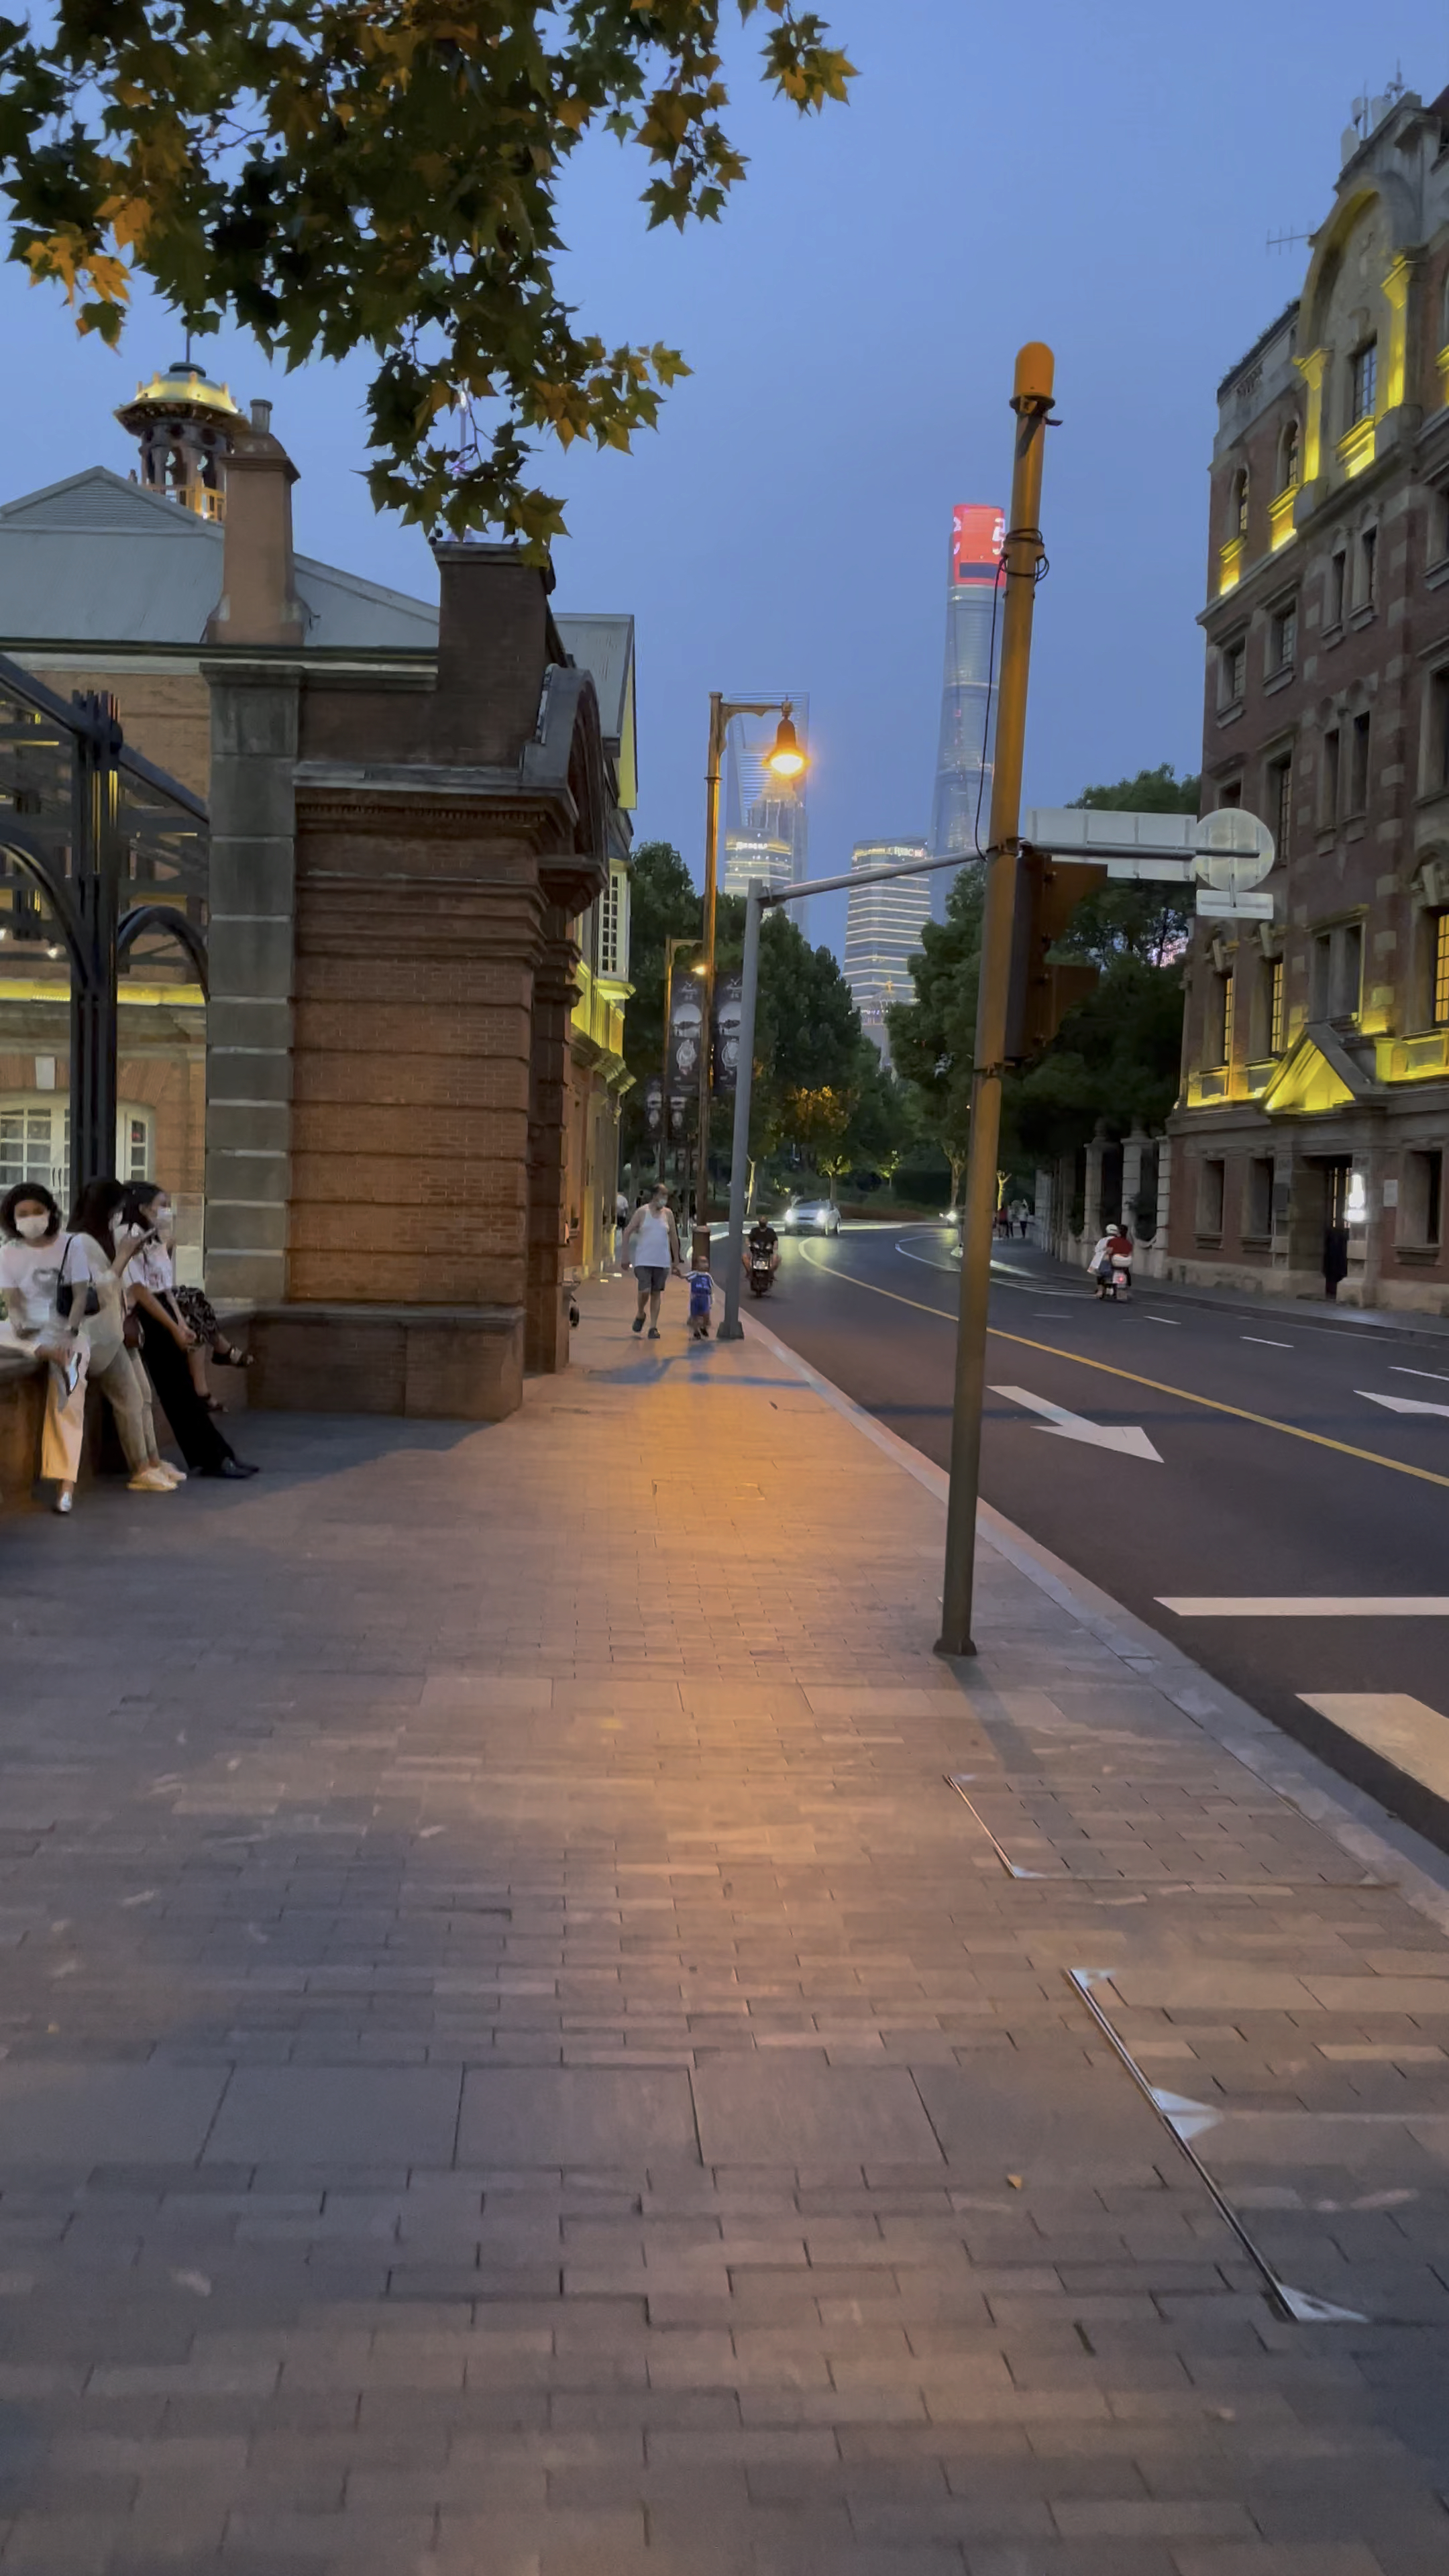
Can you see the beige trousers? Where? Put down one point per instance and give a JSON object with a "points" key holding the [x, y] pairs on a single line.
{"points": [[120, 1380]]}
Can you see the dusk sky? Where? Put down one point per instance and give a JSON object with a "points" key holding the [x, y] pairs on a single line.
{"points": [[1104, 180]]}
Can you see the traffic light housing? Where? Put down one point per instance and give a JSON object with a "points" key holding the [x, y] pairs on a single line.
{"points": [[1042, 992]]}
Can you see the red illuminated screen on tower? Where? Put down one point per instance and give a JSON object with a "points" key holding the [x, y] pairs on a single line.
{"points": [[978, 533]]}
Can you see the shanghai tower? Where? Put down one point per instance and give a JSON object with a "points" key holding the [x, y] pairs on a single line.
{"points": [[963, 759]]}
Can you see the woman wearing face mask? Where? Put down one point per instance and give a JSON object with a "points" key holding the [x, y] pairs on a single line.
{"points": [[166, 1339], [51, 1277], [116, 1368]]}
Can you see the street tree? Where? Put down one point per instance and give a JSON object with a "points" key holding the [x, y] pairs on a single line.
{"points": [[663, 904], [383, 175], [933, 1036]]}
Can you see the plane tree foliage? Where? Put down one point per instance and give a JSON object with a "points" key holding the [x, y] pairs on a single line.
{"points": [[383, 176]]}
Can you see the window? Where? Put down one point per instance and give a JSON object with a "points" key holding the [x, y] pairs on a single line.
{"points": [[1441, 970], [1347, 971], [1363, 378], [1328, 793], [1231, 795], [1280, 803], [1235, 666], [1275, 1005], [1437, 527], [35, 1143], [1220, 1021], [1238, 512], [1421, 1206], [1283, 637], [611, 916], [1211, 1175], [1320, 975], [1288, 465], [1258, 1199], [1337, 582], [1434, 758], [1358, 765], [1368, 563]]}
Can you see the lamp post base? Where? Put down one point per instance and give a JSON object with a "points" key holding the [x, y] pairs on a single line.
{"points": [[729, 1332], [953, 1654]]}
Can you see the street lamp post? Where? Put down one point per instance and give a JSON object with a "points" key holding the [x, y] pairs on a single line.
{"points": [[785, 760]]}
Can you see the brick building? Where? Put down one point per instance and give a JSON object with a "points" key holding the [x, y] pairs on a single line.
{"points": [[1309, 1144], [125, 585]]}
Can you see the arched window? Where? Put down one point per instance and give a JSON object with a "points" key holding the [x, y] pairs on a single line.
{"points": [[1288, 458], [1238, 511]]}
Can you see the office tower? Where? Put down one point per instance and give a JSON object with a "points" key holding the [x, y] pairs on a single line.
{"points": [[883, 932], [963, 759], [766, 831]]}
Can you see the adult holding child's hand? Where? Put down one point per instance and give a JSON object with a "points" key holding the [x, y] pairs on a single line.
{"points": [[651, 1248]]}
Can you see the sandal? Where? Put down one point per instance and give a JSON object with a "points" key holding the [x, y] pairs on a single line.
{"points": [[228, 1356], [214, 1404]]}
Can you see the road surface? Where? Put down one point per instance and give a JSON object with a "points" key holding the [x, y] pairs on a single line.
{"points": [[1270, 1500]]}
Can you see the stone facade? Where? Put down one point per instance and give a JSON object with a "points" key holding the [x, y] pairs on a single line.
{"points": [[1309, 1145]]}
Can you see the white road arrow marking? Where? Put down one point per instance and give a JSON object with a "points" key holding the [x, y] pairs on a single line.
{"points": [[1125, 1438], [1402, 1403]]}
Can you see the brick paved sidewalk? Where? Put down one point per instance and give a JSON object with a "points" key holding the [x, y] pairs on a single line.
{"points": [[518, 2061]]}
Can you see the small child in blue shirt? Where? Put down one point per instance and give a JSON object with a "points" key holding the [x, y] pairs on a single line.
{"points": [[701, 1290]]}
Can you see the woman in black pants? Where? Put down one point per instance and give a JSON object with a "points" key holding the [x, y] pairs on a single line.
{"points": [[166, 1339]]}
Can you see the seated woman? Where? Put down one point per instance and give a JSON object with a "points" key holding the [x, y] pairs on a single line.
{"points": [[165, 1339], [62, 1304]]}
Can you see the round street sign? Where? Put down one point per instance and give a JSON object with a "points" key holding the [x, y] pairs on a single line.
{"points": [[1232, 850]]}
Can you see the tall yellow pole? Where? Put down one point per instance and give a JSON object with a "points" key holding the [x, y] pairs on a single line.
{"points": [[1031, 401], [706, 1033]]}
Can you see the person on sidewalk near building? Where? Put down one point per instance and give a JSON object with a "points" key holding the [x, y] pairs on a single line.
{"points": [[651, 1246], [166, 1339], [111, 1364], [50, 1278], [701, 1291]]}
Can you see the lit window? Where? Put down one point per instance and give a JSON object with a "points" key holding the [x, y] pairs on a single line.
{"points": [[1288, 469], [1363, 381], [1275, 1006], [1441, 971]]}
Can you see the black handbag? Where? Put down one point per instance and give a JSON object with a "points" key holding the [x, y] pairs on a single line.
{"points": [[66, 1291]]}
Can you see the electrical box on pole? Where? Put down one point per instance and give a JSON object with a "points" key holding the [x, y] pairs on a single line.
{"points": [[1044, 989]]}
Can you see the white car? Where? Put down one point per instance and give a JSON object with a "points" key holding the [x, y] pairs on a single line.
{"points": [[810, 1216]]}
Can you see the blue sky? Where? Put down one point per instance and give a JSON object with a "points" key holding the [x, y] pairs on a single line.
{"points": [[1104, 180]]}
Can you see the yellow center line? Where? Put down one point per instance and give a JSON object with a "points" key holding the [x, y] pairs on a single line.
{"points": [[1185, 1395]]}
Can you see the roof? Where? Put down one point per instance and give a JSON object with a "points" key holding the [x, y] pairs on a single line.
{"points": [[98, 559]]}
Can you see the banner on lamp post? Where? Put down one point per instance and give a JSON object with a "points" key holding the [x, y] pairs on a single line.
{"points": [[727, 995], [654, 1109], [685, 1030]]}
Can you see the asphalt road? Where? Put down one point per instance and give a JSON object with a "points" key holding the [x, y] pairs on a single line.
{"points": [[1276, 1473]]}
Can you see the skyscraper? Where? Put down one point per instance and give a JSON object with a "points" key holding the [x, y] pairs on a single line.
{"points": [[882, 932], [766, 826], [963, 759]]}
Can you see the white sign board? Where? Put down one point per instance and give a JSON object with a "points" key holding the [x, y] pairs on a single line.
{"points": [[1234, 907]]}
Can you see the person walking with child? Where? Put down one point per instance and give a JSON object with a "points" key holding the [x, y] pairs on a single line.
{"points": [[651, 1247]]}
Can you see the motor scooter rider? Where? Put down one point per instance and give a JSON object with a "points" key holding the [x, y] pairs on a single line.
{"points": [[1111, 1259], [762, 1242]]}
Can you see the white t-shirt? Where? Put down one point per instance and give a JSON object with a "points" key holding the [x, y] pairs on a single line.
{"points": [[153, 1269], [30, 1275]]}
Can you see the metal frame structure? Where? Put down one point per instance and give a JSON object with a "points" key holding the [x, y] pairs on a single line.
{"points": [[85, 822]]}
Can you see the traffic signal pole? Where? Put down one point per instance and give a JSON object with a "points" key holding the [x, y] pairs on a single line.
{"points": [[1031, 401]]}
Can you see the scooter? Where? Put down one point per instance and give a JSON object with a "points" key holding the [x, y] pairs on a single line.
{"points": [[762, 1271], [1119, 1285]]}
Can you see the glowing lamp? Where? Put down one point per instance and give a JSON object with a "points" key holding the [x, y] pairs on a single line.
{"points": [[786, 759]]}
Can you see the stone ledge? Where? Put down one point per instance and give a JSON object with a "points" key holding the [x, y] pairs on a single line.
{"points": [[434, 1363]]}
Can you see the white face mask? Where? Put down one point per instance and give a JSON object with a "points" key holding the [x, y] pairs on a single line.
{"points": [[33, 1228], [161, 1219]]}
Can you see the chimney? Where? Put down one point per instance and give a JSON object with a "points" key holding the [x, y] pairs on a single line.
{"points": [[258, 603], [493, 650]]}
